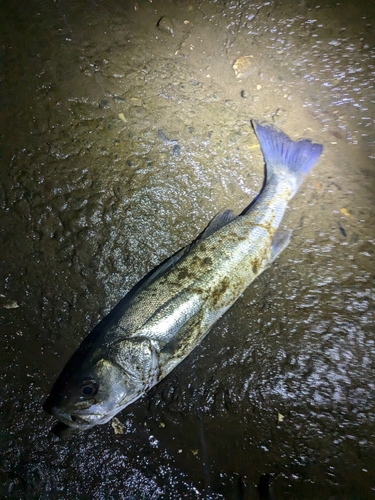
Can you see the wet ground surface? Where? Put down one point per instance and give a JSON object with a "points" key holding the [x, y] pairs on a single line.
{"points": [[125, 129]]}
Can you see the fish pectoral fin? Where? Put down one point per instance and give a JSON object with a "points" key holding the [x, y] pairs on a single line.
{"points": [[280, 242], [220, 220]]}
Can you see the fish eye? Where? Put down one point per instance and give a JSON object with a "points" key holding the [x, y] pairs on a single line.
{"points": [[89, 388]]}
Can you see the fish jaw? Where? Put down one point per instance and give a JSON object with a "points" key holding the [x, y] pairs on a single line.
{"points": [[81, 420], [77, 421]]}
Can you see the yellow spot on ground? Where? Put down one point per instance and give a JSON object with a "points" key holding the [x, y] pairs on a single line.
{"points": [[280, 418], [345, 212], [253, 146], [122, 117], [195, 452]]}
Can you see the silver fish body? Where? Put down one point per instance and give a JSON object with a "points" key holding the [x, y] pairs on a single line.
{"points": [[161, 321]]}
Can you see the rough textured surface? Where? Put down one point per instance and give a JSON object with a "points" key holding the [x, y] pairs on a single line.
{"points": [[93, 197]]}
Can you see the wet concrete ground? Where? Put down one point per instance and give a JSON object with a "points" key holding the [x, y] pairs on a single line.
{"points": [[124, 131]]}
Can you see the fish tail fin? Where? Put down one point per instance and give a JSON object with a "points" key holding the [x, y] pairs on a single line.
{"points": [[296, 158]]}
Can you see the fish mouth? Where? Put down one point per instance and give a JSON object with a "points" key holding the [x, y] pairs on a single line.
{"points": [[76, 421], [69, 425]]}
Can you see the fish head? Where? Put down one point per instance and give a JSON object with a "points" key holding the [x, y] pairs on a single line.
{"points": [[106, 381]]}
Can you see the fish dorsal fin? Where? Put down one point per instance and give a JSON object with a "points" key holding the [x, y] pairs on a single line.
{"points": [[220, 220], [162, 268]]}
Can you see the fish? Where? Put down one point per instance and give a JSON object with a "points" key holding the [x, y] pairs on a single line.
{"points": [[168, 313]]}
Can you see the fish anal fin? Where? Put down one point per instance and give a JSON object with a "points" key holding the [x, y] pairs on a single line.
{"points": [[280, 242]]}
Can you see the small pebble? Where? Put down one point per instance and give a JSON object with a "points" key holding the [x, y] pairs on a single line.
{"points": [[11, 305]]}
